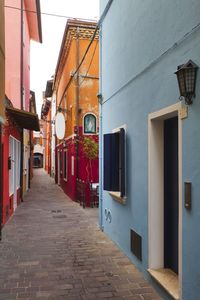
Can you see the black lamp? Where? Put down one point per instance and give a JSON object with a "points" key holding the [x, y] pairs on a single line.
{"points": [[186, 76]]}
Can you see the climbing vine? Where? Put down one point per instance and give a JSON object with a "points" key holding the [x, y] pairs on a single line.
{"points": [[91, 152]]}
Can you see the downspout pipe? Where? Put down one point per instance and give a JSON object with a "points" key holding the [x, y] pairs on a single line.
{"points": [[30, 160], [77, 100], [22, 92], [100, 97], [100, 138], [1, 182]]}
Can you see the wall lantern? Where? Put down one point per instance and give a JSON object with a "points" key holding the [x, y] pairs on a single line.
{"points": [[186, 76]]}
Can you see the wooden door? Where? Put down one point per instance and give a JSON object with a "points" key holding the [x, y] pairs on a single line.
{"points": [[171, 194]]}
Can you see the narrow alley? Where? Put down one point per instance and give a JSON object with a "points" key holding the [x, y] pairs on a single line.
{"points": [[53, 249]]}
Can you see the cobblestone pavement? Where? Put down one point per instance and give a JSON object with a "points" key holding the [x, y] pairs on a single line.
{"points": [[53, 249]]}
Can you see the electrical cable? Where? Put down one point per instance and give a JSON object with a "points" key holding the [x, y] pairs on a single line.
{"points": [[154, 62], [88, 47], [80, 64], [49, 14], [84, 76]]}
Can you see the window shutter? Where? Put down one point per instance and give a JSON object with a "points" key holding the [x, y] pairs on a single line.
{"points": [[114, 162], [122, 161], [111, 162]]}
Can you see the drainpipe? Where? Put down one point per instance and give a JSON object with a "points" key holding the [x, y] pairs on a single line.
{"points": [[100, 136], [30, 160], [21, 84], [1, 182], [77, 100]]}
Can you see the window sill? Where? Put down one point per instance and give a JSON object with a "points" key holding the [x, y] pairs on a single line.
{"points": [[168, 280], [116, 196]]}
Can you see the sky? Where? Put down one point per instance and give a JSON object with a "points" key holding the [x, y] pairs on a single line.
{"points": [[44, 56]]}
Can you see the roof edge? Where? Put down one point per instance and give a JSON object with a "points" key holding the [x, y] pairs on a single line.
{"points": [[71, 23], [39, 20]]}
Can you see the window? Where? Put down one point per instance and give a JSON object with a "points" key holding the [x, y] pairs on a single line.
{"points": [[114, 162], [90, 124], [65, 165]]}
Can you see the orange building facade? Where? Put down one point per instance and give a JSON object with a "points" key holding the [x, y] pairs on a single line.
{"points": [[76, 84], [47, 125]]}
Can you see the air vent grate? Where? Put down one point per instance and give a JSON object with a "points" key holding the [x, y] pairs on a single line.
{"points": [[136, 244]]}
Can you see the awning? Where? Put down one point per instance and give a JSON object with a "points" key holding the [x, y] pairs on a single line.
{"points": [[24, 119]]}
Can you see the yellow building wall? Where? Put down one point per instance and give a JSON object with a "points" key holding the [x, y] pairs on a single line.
{"points": [[88, 87], [2, 62]]}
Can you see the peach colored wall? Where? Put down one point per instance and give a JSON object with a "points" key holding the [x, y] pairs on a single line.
{"points": [[32, 19], [26, 62], [12, 49]]}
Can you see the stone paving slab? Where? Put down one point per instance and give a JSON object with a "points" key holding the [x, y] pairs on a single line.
{"points": [[53, 249]]}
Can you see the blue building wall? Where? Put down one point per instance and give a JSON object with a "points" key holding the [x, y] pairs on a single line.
{"points": [[142, 43]]}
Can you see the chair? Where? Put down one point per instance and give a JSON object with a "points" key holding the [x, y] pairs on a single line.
{"points": [[94, 195], [80, 192]]}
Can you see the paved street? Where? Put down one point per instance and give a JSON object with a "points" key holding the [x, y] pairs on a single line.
{"points": [[53, 249]]}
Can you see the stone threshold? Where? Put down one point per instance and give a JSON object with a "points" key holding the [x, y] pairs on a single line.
{"points": [[168, 280]]}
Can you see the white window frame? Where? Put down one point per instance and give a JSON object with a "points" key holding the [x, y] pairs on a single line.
{"points": [[72, 165], [65, 165], [88, 133], [18, 162], [11, 170], [15, 154]]}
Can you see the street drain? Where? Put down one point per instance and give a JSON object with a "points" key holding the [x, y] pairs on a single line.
{"points": [[59, 216], [109, 274]]}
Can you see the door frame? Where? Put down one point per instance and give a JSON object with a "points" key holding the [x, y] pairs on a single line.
{"points": [[15, 168], [156, 186], [58, 165]]}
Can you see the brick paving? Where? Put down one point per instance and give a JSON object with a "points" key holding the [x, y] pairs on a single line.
{"points": [[53, 249]]}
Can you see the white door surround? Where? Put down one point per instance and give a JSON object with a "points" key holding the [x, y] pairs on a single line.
{"points": [[14, 172], [58, 166], [156, 186]]}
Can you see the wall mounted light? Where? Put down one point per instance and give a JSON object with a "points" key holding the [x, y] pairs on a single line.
{"points": [[63, 110], [100, 98], [186, 76], [64, 143]]}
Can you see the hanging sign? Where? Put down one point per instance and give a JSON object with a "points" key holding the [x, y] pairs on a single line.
{"points": [[60, 125]]}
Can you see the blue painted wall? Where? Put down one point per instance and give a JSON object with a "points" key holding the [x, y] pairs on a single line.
{"points": [[142, 44]]}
